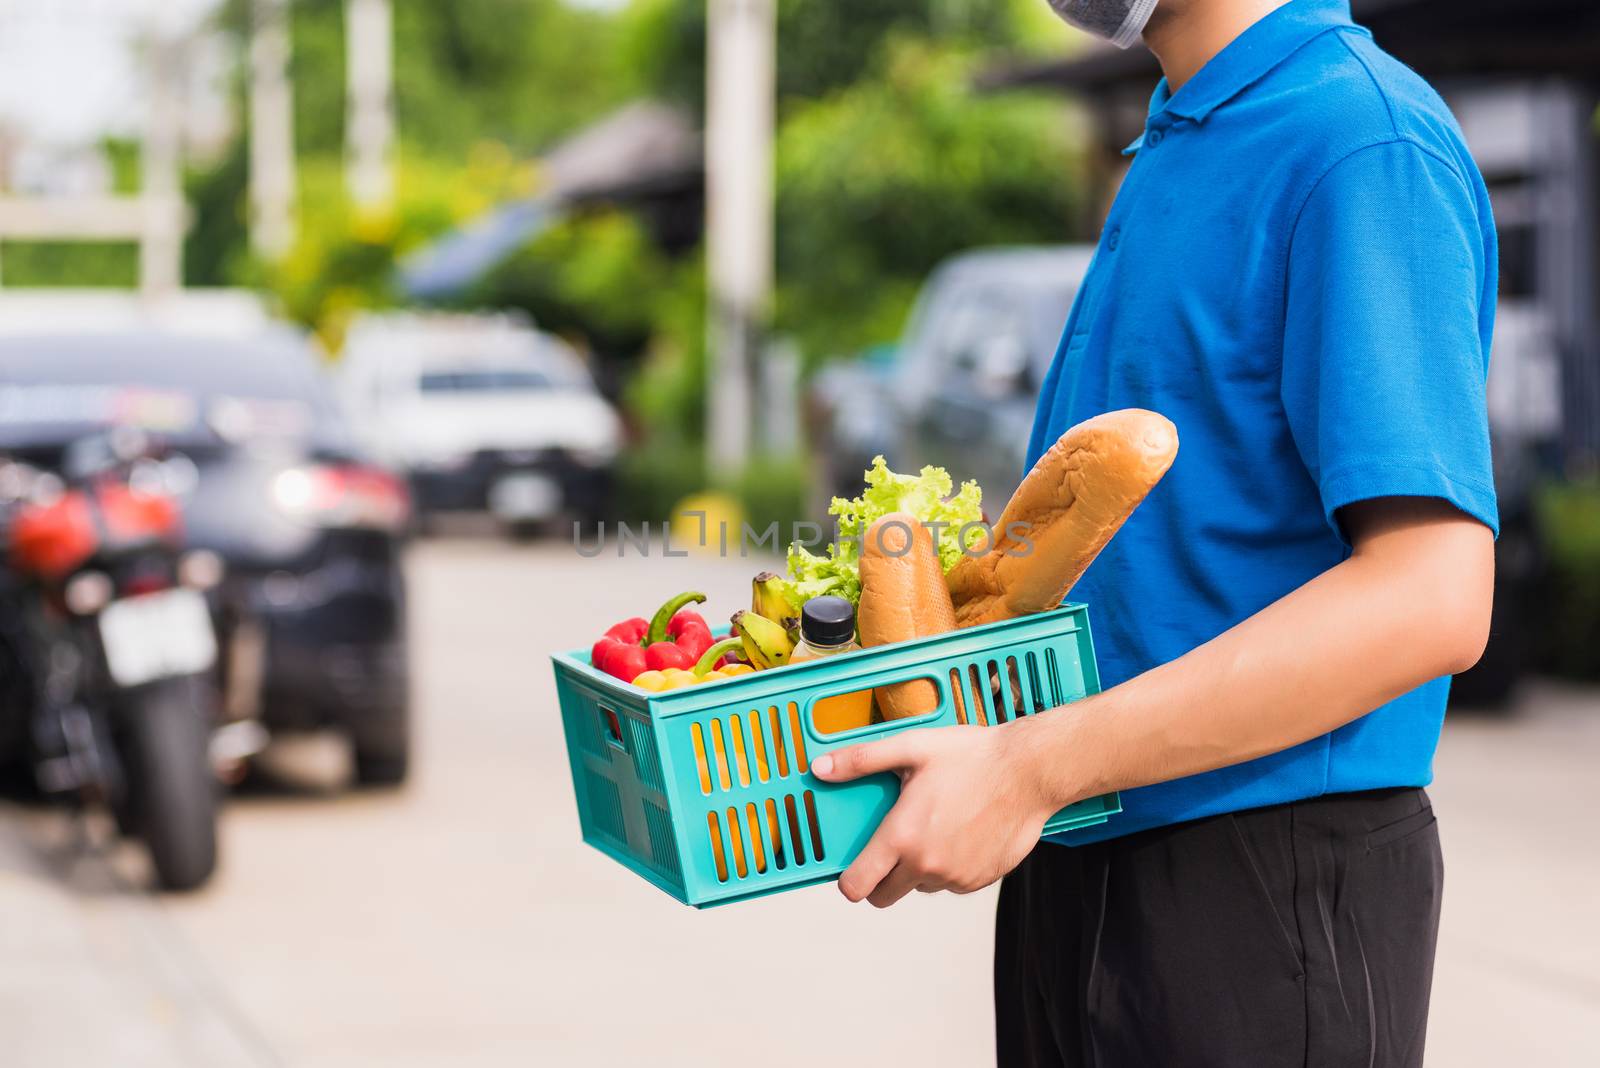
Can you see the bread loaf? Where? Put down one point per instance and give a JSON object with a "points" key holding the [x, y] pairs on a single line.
{"points": [[903, 596], [1075, 498]]}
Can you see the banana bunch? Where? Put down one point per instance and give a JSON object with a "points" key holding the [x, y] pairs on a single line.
{"points": [[766, 643], [771, 628], [769, 598]]}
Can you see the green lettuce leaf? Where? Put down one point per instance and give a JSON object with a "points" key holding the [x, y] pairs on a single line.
{"points": [[926, 495]]}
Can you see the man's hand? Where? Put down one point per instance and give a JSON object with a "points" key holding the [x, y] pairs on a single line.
{"points": [[968, 811]]}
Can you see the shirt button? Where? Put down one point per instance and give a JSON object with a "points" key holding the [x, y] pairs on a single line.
{"points": [[1153, 138], [1114, 238]]}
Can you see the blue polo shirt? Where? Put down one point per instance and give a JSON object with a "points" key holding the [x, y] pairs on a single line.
{"points": [[1299, 271]]}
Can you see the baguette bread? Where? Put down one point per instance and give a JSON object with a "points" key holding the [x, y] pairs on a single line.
{"points": [[1075, 498], [903, 596]]}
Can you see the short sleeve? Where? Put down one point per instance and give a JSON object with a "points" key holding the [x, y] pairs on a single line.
{"points": [[1386, 334]]}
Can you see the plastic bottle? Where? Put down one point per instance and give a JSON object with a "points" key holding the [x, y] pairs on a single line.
{"points": [[828, 628]]}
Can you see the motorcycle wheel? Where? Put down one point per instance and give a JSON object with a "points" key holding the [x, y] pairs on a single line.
{"points": [[171, 789]]}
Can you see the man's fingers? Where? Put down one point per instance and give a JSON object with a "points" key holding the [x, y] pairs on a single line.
{"points": [[873, 863], [900, 882], [854, 761]]}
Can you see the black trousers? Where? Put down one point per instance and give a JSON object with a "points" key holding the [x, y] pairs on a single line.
{"points": [[1298, 935]]}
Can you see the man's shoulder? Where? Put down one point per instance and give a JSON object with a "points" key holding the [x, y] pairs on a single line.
{"points": [[1353, 94]]}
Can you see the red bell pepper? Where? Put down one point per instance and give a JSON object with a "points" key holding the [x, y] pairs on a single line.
{"points": [[672, 638], [630, 630], [664, 655], [626, 662], [686, 617], [693, 637]]}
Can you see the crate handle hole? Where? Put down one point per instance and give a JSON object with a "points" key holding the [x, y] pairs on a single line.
{"points": [[842, 712], [612, 725]]}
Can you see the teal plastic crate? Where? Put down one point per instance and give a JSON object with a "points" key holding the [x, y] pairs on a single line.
{"points": [[706, 791]]}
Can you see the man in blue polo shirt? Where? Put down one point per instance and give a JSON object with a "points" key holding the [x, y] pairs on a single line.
{"points": [[1299, 270]]}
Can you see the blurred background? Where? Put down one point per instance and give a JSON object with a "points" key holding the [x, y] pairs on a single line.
{"points": [[327, 329]]}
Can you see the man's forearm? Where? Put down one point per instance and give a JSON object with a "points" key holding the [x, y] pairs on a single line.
{"points": [[1411, 604]]}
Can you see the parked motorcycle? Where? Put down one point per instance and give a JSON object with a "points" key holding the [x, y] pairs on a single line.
{"points": [[112, 639]]}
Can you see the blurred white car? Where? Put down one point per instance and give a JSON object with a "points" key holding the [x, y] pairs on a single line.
{"points": [[482, 413]]}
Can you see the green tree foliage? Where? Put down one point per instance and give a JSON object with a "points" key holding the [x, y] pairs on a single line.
{"points": [[523, 72], [517, 71], [215, 247], [344, 260], [879, 182], [597, 275], [112, 264], [471, 77], [823, 44]]}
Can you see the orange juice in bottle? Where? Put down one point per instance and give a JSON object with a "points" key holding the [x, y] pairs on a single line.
{"points": [[827, 628]]}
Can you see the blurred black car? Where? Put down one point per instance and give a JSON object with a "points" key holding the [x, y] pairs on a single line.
{"points": [[959, 390], [310, 609]]}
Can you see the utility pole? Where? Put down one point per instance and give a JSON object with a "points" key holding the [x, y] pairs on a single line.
{"points": [[272, 178], [369, 128], [740, 86], [160, 187]]}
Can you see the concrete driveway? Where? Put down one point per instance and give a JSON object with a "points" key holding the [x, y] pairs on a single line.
{"points": [[461, 922]]}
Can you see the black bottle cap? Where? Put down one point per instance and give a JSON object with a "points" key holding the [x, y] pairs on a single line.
{"points": [[827, 621]]}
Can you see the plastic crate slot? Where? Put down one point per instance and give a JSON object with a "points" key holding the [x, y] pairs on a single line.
{"points": [[1013, 675], [741, 762], [980, 701], [720, 750], [800, 763], [663, 845], [794, 829], [1032, 662], [777, 742], [778, 859], [717, 854], [958, 697], [757, 838], [816, 831], [1008, 688], [698, 737], [999, 700], [759, 742], [736, 844], [605, 802], [1019, 694], [1052, 671]]}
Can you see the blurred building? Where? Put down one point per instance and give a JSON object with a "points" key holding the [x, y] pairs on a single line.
{"points": [[1523, 77]]}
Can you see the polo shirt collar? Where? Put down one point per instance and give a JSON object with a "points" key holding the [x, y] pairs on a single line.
{"points": [[1247, 59]]}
